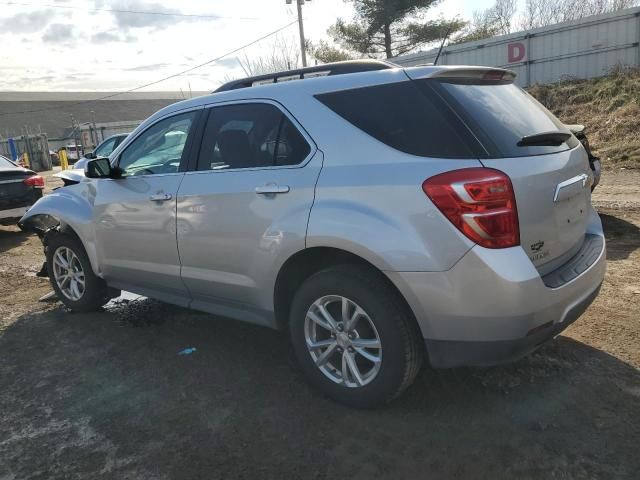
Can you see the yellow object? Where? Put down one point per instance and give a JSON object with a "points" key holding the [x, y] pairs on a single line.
{"points": [[64, 162], [25, 160]]}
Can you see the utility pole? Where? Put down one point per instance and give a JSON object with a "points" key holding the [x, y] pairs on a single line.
{"points": [[95, 129], [75, 137], [301, 28]]}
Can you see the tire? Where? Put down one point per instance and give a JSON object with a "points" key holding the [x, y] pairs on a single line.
{"points": [[94, 294], [386, 318]]}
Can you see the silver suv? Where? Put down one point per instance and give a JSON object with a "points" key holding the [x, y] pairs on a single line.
{"points": [[379, 214]]}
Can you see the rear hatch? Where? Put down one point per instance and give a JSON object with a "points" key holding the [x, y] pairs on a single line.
{"points": [[547, 166]]}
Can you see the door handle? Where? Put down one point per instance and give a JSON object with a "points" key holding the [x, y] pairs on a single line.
{"points": [[160, 197], [272, 188]]}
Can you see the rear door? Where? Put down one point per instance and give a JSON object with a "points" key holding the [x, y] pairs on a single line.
{"points": [[548, 168], [246, 206]]}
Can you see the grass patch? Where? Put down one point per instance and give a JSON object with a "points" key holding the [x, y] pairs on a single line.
{"points": [[608, 106]]}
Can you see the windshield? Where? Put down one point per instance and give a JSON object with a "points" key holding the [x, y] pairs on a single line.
{"points": [[501, 115]]}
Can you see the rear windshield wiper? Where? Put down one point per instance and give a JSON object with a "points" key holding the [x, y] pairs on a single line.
{"points": [[545, 138]]}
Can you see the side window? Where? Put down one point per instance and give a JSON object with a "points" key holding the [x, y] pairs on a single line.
{"points": [[405, 118], [158, 149], [250, 135], [119, 140]]}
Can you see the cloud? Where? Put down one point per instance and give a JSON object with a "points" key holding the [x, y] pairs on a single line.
{"points": [[58, 33], [104, 37], [148, 68], [26, 22], [228, 62], [77, 76], [43, 78], [161, 16]]}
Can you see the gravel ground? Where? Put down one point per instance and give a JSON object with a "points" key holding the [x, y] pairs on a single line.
{"points": [[105, 395]]}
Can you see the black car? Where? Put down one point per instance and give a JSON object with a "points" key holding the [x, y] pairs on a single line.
{"points": [[19, 189]]}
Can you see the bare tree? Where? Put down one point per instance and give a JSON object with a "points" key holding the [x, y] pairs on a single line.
{"points": [[282, 54], [502, 14], [540, 13], [495, 20]]}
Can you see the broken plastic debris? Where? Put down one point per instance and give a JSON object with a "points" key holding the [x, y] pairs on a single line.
{"points": [[187, 351], [49, 297]]}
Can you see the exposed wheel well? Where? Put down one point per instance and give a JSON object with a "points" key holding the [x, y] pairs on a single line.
{"points": [[61, 227], [51, 226], [45, 225], [307, 262]]}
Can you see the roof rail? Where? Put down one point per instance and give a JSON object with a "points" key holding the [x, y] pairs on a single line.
{"points": [[327, 69]]}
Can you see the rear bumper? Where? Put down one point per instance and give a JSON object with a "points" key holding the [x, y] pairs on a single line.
{"points": [[16, 206], [493, 306], [451, 353], [13, 213]]}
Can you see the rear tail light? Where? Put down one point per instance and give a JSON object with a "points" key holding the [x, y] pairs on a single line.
{"points": [[35, 181], [480, 202], [495, 76]]}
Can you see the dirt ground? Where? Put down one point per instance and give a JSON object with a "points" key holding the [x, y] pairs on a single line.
{"points": [[106, 395]]}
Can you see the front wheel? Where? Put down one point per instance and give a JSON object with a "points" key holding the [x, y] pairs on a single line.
{"points": [[354, 338], [71, 275]]}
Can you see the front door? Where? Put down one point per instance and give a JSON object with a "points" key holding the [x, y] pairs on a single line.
{"points": [[135, 216], [246, 207]]}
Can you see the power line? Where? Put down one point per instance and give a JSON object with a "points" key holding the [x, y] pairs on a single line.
{"points": [[191, 69], [116, 10]]}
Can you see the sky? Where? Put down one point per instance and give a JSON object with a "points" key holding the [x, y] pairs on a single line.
{"points": [[93, 45]]}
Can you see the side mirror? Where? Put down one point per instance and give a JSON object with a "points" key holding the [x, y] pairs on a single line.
{"points": [[98, 168], [90, 155]]}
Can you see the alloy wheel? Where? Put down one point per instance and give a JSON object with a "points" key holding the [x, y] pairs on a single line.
{"points": [[343, 341], [68, 273]]}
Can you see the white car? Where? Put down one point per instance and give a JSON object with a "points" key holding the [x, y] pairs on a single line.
{"points": [[73, 152]]}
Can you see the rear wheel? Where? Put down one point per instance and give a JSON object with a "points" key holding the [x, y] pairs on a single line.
{"points": [[71, 275], [353, 336]]}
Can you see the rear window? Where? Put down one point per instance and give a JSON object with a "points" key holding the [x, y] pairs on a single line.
{"points": [[500, 115], [406, 118], [5, 163]]}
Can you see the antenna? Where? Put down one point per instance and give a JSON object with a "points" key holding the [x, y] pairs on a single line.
{"points": [[446, 35]]}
